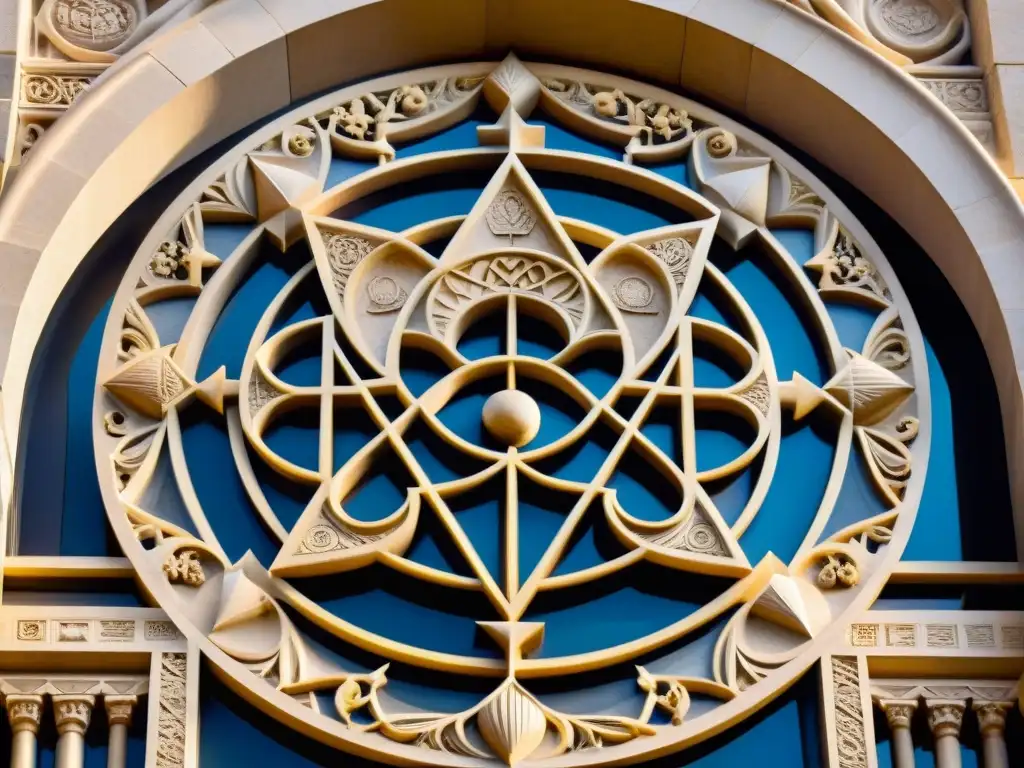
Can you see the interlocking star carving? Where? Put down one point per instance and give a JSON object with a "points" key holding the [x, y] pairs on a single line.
{"points": [[511, 248]]}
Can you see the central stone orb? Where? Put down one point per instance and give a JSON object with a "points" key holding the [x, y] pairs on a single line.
{"points": [[512, 417]]}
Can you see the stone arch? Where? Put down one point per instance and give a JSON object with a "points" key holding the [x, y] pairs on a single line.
{"points": [[181, 92]]}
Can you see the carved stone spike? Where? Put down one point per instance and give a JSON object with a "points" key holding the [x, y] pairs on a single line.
{"points": [[149, 383], [512, 83], [870, 391]]}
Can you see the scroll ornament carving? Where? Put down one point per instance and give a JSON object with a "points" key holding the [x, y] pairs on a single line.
{"points": [[676, 253], [851, 737], [344, 252], [656, 122], [888, 456], [845, 270], [512, 722], [890, 348], [131, 452], [368, 117], [53, 90], [961, 96], [186, 568], [170, 749]]}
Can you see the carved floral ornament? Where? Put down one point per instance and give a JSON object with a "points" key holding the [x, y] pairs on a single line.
{"points": [[904, 31], [373, 295]]}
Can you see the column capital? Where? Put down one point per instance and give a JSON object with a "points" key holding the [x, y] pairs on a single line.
{"points": [[72, 712], [992, 715], [945, 716], [898, 712], [24, 711], [119, 708]]}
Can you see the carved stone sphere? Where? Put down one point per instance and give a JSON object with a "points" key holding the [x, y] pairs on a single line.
{"points": [[512, 417]]}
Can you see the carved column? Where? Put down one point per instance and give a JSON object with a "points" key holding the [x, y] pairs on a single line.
{"points": [[25, 713], [992, 724], [945, 718], [119, 717], [899, 714], [72, 713]]}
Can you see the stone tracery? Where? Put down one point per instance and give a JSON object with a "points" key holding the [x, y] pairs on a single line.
{"points": [[386, 291]]}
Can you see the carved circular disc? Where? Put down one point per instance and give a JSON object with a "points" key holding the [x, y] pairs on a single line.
{"points": [[512, 417]]}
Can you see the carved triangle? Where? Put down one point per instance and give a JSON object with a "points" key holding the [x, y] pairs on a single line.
{"points": [[701, 542], [325, 540], [511, 213], [783, 603]]}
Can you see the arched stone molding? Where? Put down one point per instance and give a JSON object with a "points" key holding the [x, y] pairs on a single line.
{"points": [[181, 92]]}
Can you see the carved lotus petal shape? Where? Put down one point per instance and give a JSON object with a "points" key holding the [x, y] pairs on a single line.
{"points": [[512, 723]]}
